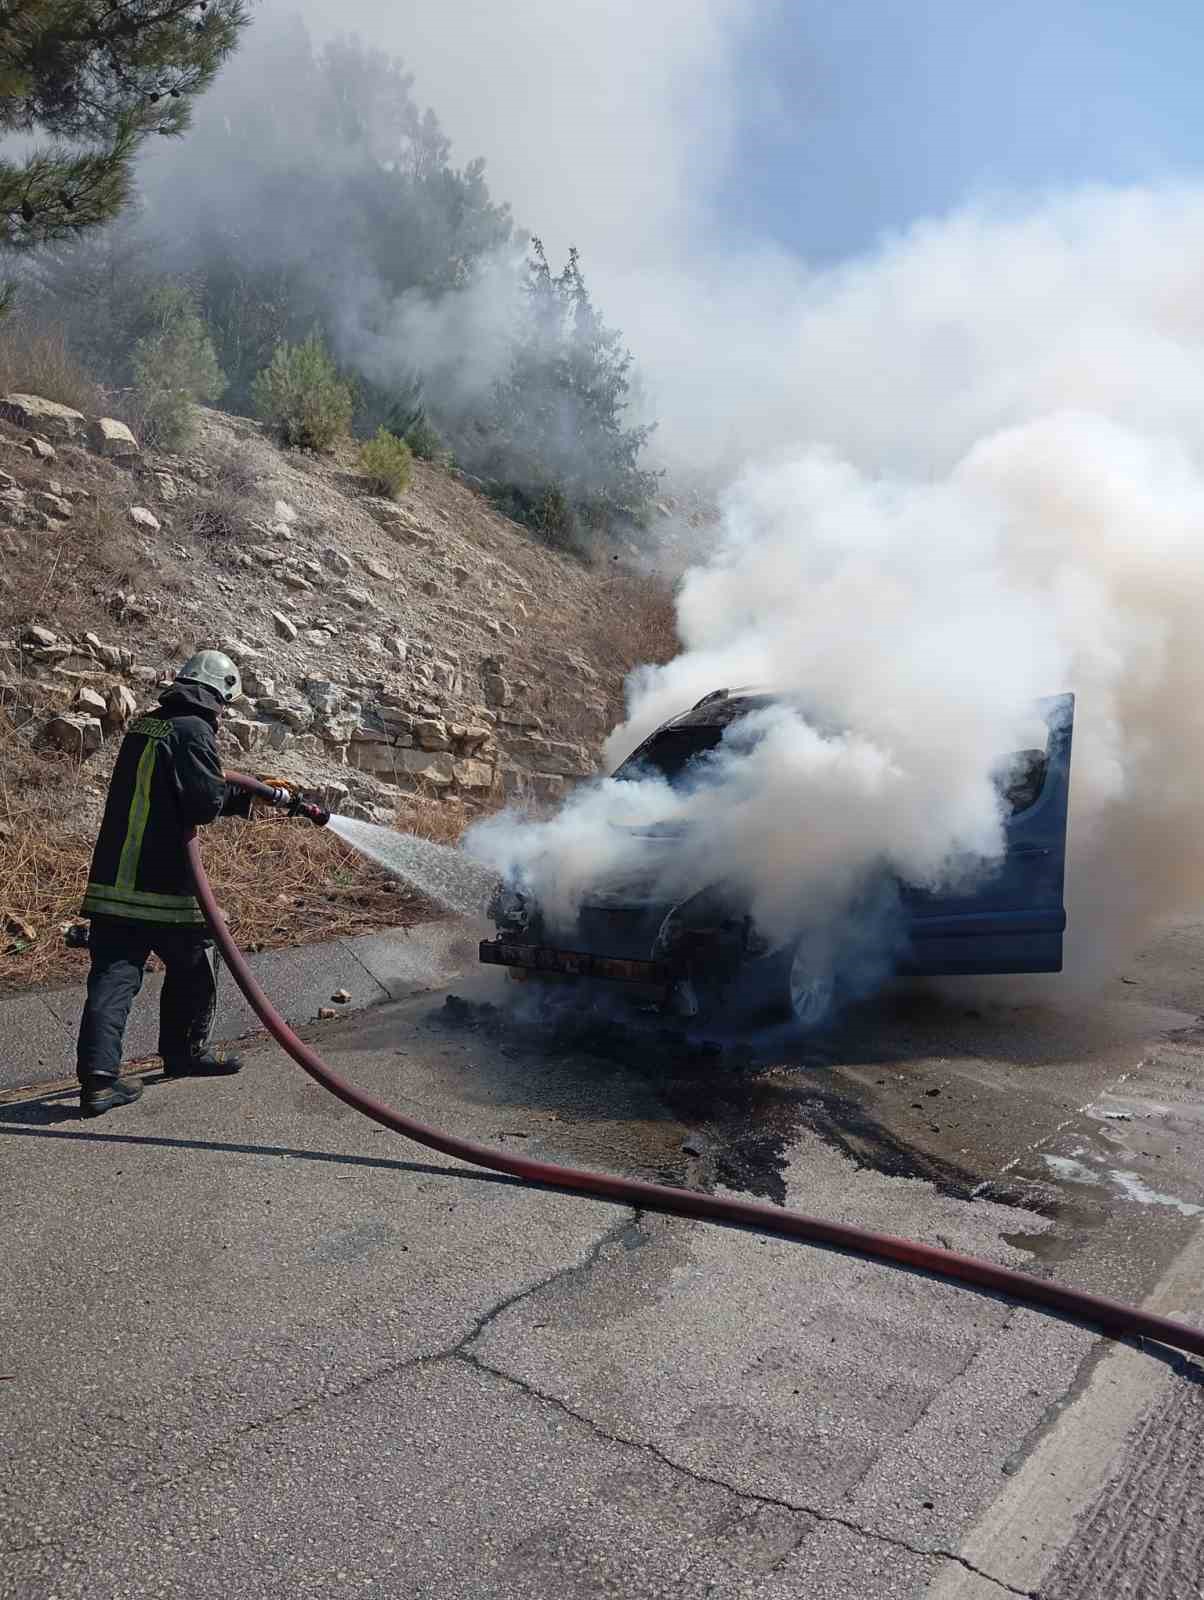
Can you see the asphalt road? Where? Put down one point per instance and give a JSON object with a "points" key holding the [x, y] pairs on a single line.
{"points": [[252, 1345]]}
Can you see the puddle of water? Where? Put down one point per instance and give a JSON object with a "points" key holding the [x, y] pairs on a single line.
{"points": [[1069, 1170], [1135, 1189]]}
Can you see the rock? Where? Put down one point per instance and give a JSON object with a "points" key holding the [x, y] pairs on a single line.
{"points": [[283, 512], [142, 518], [430, 587], [41, 416], [255, 684], [111, 438], [326, 1012], [78, 735], [53, 505], [165, 484], [265, 555], [42, 448], [431, 734], [238, 652], [446, 676], [283, 626], [359, 598], [7, 481], [336, 561], [108, 654], [434, 768], [121, 706], [249, 735], [316, 636], [396, 647], [472, 737], [294, 580], [376, 569], [325, 697], [550, 755], [497, 691], [39, 638], [341, 996], [460, 576], [295, 716], [90, 703], [474, 775]]}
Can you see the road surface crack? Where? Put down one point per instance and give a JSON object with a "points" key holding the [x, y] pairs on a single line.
{"points": [[575, 1269], [707, 1480]]}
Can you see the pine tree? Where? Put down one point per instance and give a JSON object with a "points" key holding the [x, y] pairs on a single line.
{"points": [[562, 451], [97, 77]]}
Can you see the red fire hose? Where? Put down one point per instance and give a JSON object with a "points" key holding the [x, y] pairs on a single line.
{"points": [[1110, 1315]]}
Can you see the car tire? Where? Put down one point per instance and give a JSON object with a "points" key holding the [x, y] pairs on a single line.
{"points": [[810, 985]]}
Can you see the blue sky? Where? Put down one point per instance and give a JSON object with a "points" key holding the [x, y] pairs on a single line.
{"points": [[858, 116]]}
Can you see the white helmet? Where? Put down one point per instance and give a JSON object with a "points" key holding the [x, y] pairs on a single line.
{"points": [[215, 671]]}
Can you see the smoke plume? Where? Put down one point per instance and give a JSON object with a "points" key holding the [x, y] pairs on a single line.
{"points": [[995, 492]]}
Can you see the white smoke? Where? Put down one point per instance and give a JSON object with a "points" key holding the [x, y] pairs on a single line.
{"points": [[996, 493]]}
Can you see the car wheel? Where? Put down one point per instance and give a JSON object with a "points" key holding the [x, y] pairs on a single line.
{"points": [[810, 987]]}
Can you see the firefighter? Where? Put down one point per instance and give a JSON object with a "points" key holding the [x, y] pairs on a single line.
{"points": [[167, 781]]}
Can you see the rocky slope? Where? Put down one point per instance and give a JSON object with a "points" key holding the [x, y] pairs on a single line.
{"points": [[426, 646]]}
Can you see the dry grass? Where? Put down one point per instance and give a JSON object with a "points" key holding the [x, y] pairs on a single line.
{"points": [[36, 360], [280, 883], [634, 623]]}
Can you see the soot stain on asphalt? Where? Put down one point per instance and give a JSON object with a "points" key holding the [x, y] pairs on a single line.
{"points": [[748, 1112]]}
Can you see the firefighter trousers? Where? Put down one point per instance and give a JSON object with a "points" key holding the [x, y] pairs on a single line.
{"points": [[120, 951]]}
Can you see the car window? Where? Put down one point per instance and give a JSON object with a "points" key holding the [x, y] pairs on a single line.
{"points": [[1020, 778], [669, 752]]}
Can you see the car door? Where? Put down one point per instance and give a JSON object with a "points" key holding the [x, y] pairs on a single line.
{"points": [[1014, 919]]}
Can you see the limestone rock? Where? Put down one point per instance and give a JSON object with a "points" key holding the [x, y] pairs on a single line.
{"points": [[497, 690], [436, 768], [376, 569], [90, 703], [431, 734], [165, 484], [283, 626], [250, 735], [111, 438], [53, 505], [120, 708], [39, 638], [474, 775], [77, 734], [471, 738], [41, 416], [396, 647], [142, 518], [336, 561], [325, 697], [359, 598], [108, 654], [42, 448], [283, 512]]}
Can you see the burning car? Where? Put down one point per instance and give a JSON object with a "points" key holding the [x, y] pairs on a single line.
{"points": [[705, 951]]}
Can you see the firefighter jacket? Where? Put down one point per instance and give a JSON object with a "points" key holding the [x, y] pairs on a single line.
{"points": [[167, 781]]}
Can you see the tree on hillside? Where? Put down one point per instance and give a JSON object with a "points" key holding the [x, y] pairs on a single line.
{"points": [[559, 447], [323, 206], [97, 77]]}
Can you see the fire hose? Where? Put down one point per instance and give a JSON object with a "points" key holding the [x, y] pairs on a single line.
{"points": [[1112, 1316]]}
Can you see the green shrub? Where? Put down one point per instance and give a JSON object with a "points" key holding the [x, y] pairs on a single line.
{"points": [[387, 463], [425, 443], [174, 369], [302, 397]]}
